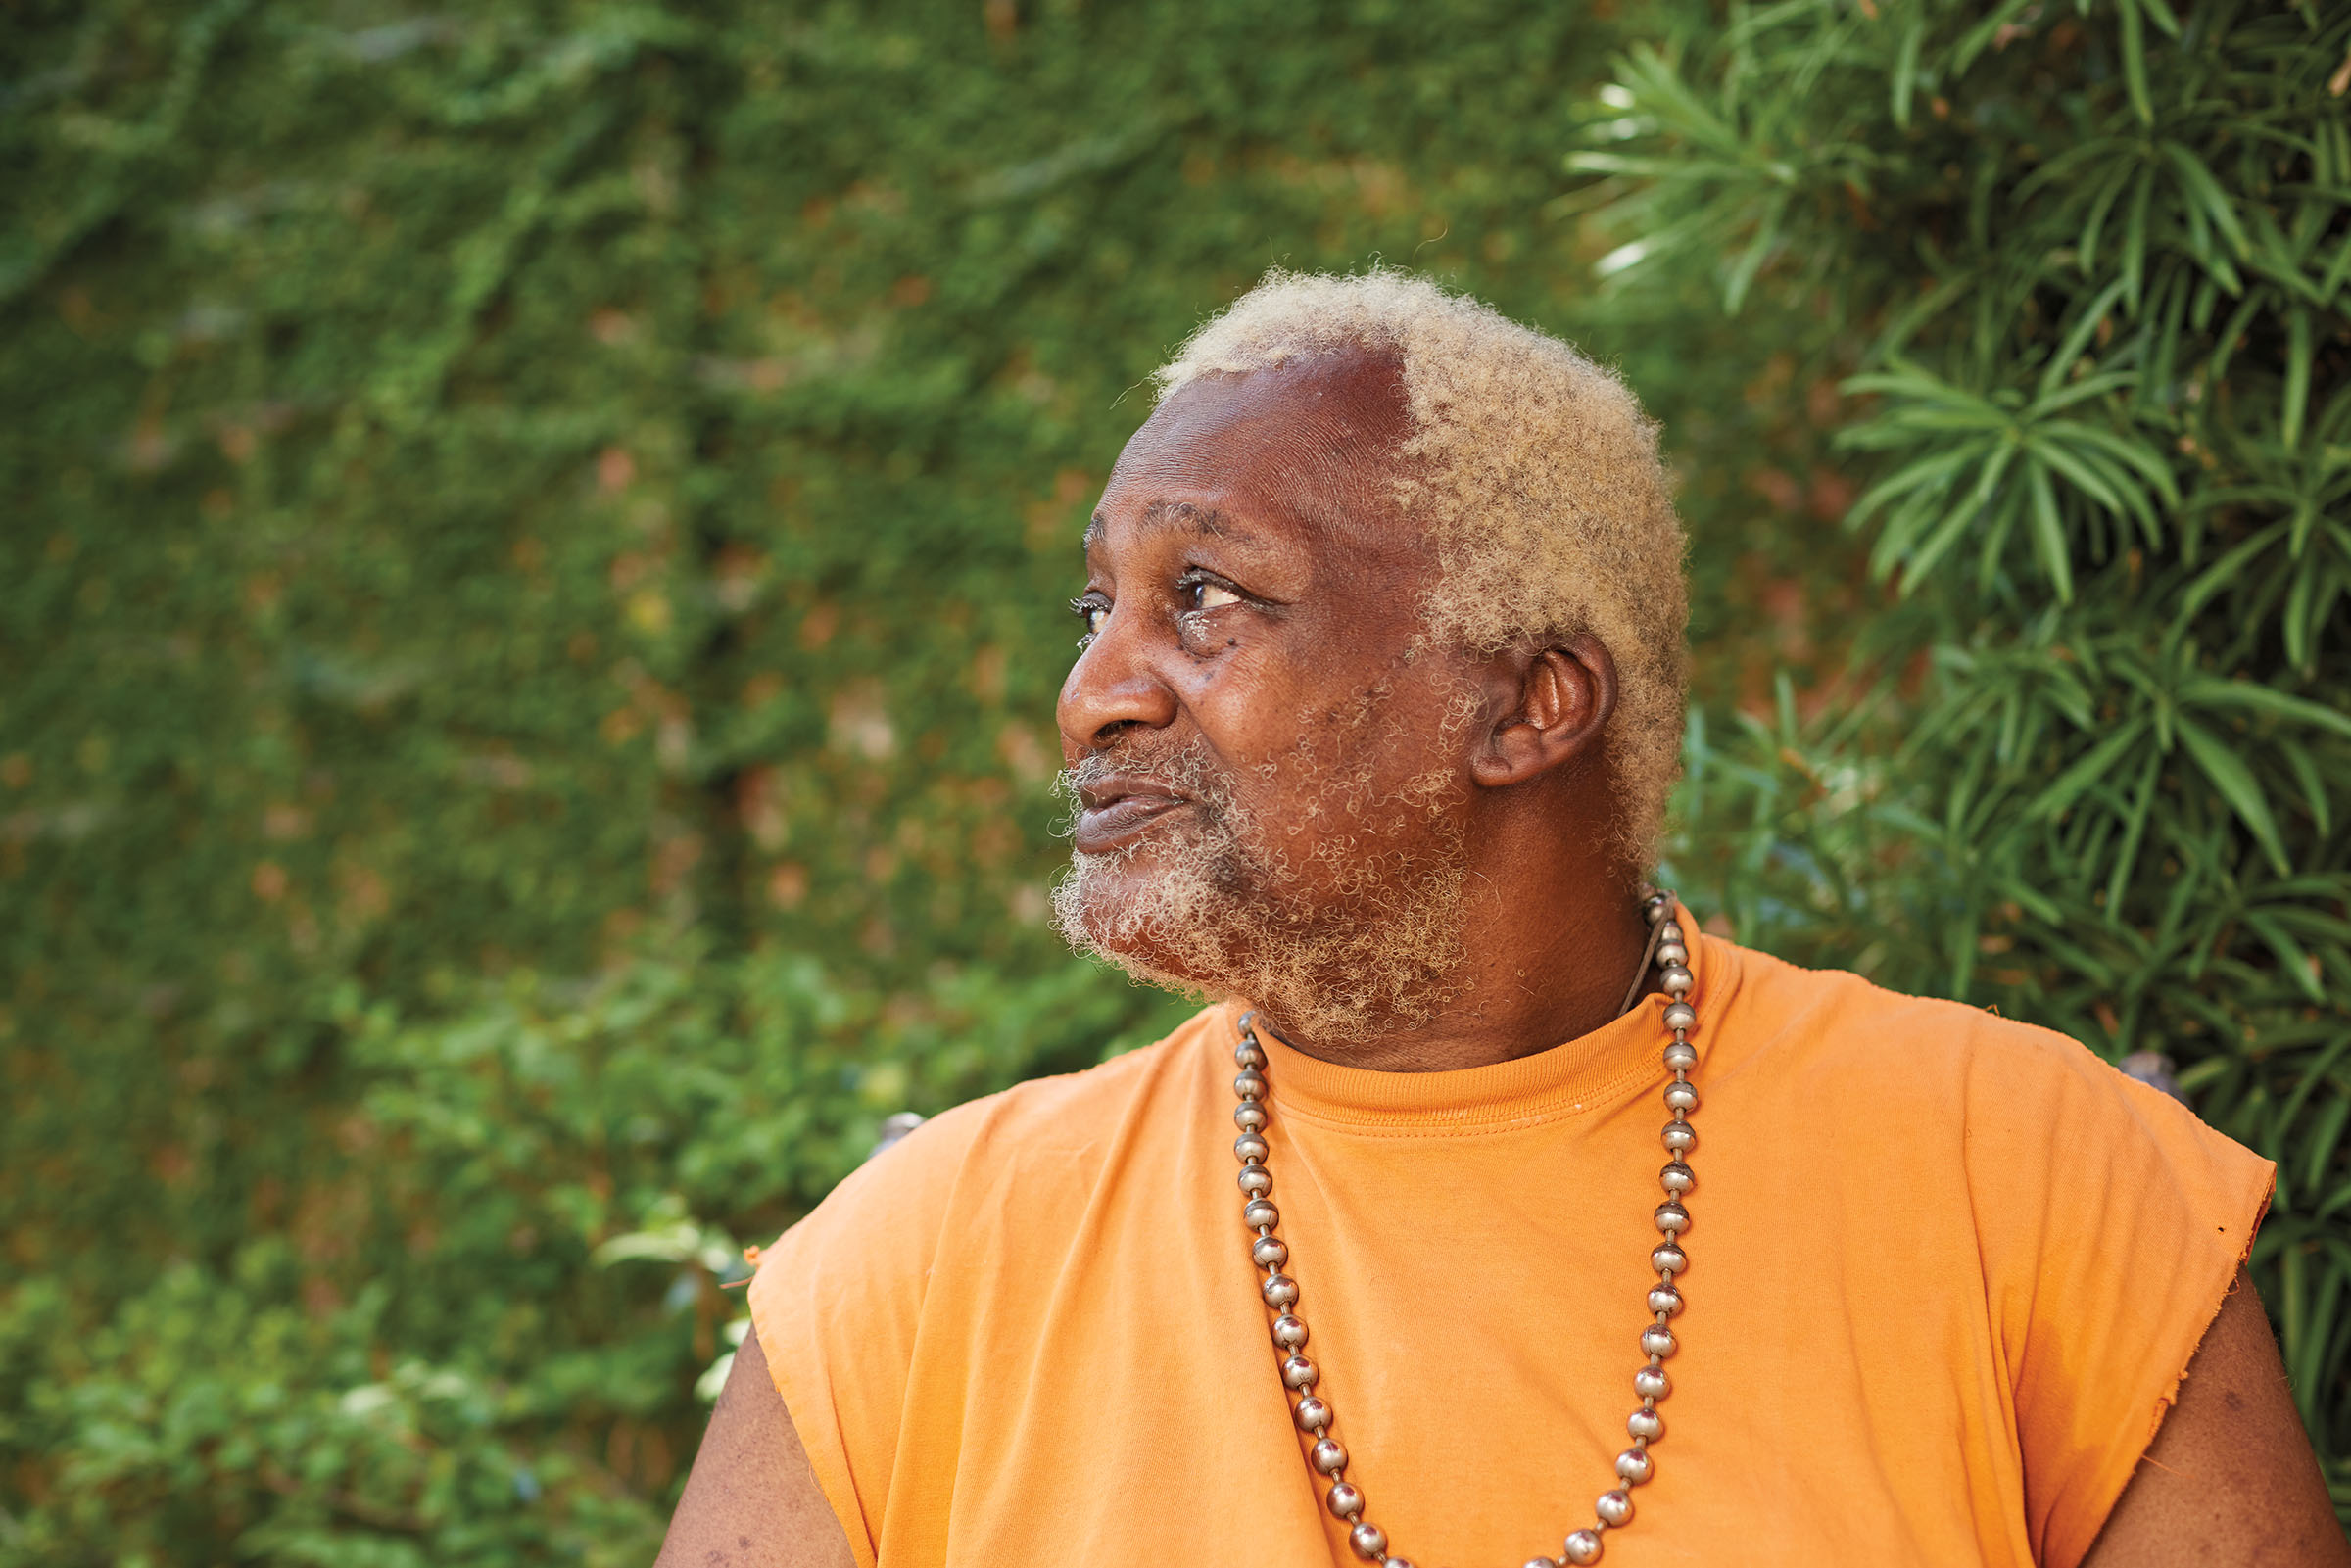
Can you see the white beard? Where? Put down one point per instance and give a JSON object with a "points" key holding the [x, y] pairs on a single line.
{"points": [[1380, 953]]}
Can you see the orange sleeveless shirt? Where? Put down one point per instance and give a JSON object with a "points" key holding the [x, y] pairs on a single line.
{"points": [[1945, 1273]]}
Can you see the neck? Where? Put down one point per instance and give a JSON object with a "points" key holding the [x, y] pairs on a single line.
{"points": [[1552, 932]]}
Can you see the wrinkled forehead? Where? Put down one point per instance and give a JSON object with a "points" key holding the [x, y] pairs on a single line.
{"points": [[1314, 443]]}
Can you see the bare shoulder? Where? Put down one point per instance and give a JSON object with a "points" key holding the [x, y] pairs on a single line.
{"points": [[752, 1499], [2229, 1480]]}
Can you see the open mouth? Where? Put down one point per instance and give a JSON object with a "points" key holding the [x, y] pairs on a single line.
{"points": [[1116, 812]]}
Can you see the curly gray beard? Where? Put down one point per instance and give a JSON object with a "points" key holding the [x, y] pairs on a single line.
{"points": [[1217, 916]]}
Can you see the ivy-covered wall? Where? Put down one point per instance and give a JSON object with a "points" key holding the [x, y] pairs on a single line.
{"points": [[531, 606]]}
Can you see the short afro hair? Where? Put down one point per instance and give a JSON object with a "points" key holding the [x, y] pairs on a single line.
{"points": [[1536, 475]]}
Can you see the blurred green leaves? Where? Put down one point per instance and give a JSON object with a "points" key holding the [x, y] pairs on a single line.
{"points": [[509, 1200]]}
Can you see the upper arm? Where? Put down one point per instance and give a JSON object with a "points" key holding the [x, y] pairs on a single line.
{"points": [[2110, 1224], [2230, 1479], [752, 1499]]}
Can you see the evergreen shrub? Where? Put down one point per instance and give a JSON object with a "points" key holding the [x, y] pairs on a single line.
{"points": [[2088, 266]]}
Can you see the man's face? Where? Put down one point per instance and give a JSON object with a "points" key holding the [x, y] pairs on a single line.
{"points": [[1268, 763]]}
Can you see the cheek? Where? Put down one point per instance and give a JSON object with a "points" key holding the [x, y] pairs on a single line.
{"points": [[1318, 717], [1247, 707], [1268, 680], [1376, 762]]}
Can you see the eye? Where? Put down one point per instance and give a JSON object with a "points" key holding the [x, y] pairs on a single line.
{"points": [[1094, 609], [1198, 593]]}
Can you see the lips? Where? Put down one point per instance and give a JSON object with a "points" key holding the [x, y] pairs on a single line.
{"points": [[1115, 812]]}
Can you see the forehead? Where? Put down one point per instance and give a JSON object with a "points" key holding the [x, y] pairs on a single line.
{"points": [[1310, 446]]}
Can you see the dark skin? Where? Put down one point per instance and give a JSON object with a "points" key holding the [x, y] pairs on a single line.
{"points": [[1249, 575]]}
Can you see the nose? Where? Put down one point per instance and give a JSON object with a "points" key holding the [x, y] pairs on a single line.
{"points": [[1112, 689]]}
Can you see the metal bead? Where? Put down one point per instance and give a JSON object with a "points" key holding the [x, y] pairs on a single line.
{"points": [[1300, 1375], [1542, 1562], [1396, 1562]]}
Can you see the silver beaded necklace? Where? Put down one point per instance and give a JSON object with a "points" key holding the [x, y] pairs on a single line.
{"points": [[1270, 1253]]}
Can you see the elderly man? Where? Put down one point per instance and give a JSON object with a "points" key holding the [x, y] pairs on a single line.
{"points": [[1615, 1239]]}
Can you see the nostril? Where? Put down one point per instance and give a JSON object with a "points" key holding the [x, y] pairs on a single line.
{"points": [[1105, 695]]}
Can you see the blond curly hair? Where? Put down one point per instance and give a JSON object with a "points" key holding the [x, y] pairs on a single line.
{"points": [[1536, 475]]}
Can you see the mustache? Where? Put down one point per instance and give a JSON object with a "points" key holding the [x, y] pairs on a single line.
{"points": [[1189, 769]]}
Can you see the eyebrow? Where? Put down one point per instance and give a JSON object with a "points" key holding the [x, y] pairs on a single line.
{"points": [[1205, 520]]}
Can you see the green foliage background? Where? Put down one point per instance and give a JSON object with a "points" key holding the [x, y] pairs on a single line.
{"points": [[2088, 765], [531, 587]]}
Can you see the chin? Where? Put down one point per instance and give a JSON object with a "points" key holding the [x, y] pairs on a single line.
{"points": [[1163, 923], [1197, 920]]}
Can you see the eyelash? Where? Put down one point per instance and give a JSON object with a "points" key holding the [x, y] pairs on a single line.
{"points": [[1082, 606]]}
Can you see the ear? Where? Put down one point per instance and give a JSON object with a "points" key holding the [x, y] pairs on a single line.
{"points": [[1564, 694]]}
